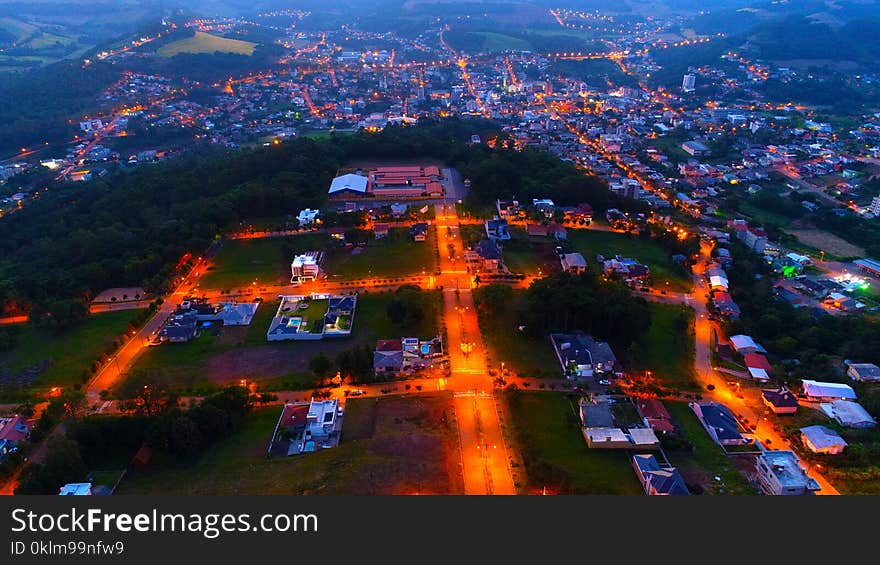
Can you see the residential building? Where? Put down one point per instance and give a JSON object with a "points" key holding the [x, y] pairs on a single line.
{"points": [[719, 422], [657, 480], [816, 391], [306, 267], [180, 327], [780, 401], [848, 414], [388, 357], [696, 148], [13, 431], [573, 263], [305, 427], [307, 217], [744, 344], [780, 473], [820, 439], [380, 230], [758, 366], [582, 356], [863, 372], [497, 229], [486, 257], [419, 231], [654, 414], [76, 489]]}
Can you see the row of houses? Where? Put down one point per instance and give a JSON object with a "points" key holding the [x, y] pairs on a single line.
{"points": [[184, 323]]}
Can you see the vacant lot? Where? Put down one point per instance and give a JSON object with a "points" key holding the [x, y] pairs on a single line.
{"points": [[700, 460], [241, 262], [555, 453], [394, 256], [47, 358], [522, 354], [530, 255], [591, 243], [390, 445], [203, 42], [828, 242], [667, 349]]}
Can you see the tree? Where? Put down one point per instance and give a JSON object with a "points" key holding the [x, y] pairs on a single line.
{"points": [[320, 365], [63, 464], [185, 438]]}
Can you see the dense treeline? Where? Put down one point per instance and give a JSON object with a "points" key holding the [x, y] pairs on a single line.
{"points": [[35, 106], [159, 422], [567, 303], [131, 228]]}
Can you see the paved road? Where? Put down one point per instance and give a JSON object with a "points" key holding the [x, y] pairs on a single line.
{"points": [[485, 461]]}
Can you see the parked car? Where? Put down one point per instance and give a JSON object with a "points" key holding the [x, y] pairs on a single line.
{"points": [[604, 382], [357, 392]]}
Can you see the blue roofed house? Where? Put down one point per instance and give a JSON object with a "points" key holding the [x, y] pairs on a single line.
{"points": [[497, 229], [657, 480], [719, 422]]}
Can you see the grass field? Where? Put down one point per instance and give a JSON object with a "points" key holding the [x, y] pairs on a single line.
{"points": [[590, 243], [69, 355], [706, 460], [394, 256], [555, 452], [390, 445], [521, 354], [203, 42], [240, 262], [529, 255], [664, 350]]}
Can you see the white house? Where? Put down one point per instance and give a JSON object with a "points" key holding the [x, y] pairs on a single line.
{"points": [[817, 391], [780, 473], [847, 413], [573, 263], [820, 439], [307, 217]]}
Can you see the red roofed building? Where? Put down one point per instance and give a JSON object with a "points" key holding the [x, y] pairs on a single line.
{"points": [[655, 414], [758, 361]]}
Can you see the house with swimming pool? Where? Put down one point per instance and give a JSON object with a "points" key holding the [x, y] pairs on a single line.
{"points": [[313, 317]]}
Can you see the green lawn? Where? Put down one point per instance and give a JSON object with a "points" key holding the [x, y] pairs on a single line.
{"points": [[69, 355], [390, 445], [372, 322], [203, 42], [522, 354], [591, 243], [394, 256], [240, 262], [529, 255], [665, 350], [706, 460], [554, 449]]}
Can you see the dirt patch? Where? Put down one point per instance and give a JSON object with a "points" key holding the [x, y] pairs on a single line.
{"points": [[271, 361], [412, 446], [828, 242]]}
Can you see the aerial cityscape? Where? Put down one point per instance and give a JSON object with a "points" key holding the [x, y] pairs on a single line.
{"points": [[511, 247]]}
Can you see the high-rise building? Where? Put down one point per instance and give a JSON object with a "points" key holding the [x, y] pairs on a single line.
{"points": [[875, 206], [687, 84]]}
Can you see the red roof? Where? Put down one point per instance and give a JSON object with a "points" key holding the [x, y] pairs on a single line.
{"points": [[536, 229], [294, 414], [389, 345], [757, 361], [722, 297]]}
